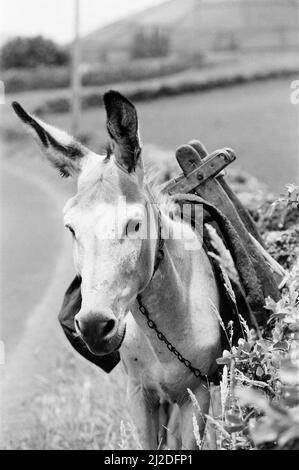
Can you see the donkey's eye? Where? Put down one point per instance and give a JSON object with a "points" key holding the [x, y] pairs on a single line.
{"points": [[133, 227], [71, 230]]}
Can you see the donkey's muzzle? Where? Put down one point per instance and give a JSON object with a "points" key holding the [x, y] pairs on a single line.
{"points": [[100, 331]]}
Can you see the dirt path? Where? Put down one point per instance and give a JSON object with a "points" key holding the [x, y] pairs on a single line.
{"points": [[30, 238], [28, 368]]}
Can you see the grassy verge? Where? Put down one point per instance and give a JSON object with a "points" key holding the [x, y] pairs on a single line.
{"points": [[81, 408], [52, 78]]}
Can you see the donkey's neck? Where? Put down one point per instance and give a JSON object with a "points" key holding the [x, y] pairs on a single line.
{"points": [[181, 295]]}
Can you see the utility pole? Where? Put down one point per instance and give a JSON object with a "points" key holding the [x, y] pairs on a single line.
{"points": [[76, 76]]}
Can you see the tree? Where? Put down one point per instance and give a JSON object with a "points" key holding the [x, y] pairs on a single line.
{"points": [[154, 43], [23, 52]]}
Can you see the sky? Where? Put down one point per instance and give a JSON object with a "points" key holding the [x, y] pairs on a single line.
{"points": [[54, 18]]}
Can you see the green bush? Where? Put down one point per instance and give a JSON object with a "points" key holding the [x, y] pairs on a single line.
{"points": [[260, 383], [32, 52]]}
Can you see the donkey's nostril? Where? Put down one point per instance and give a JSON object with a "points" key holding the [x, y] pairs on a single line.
{"points": [[99, 331], [93, 326], [108, 327]]}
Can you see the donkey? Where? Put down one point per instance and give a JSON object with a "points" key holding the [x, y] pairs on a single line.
{"points": [[123, 277]]}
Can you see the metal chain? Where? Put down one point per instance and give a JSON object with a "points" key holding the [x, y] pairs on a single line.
{"points": [[152, 325]]}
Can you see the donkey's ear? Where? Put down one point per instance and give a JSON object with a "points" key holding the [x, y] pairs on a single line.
{"points": [[122, 126], [62, 150]]}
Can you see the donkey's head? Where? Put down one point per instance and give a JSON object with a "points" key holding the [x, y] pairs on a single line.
{"points": [[106, 219]]}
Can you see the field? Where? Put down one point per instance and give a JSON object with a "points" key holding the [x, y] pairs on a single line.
{"points": [[63, 401], [257, 120]]}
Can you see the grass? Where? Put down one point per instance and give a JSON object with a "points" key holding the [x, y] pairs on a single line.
{"points": [[257, 121], [260, 385], [80, 409]]}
